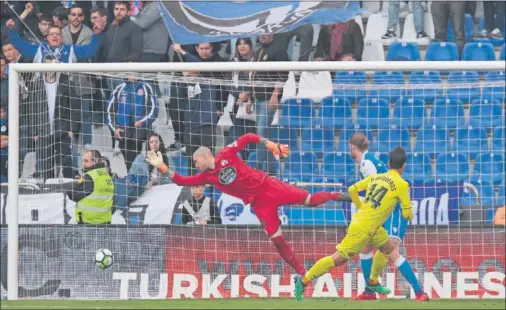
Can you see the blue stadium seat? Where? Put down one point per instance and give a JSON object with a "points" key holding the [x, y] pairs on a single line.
{"points": [[407, 50], [373, 112], [452, 167], [486, 113], [297, 112], [352, 80], [181, 164], [410, 113], [432, 140], [387, 84], [442, 51], [501, 197], [456, 83], [447, 113], [318, 139], [502, 56], [478, 51], [418, 168], [486, 195], [335, 112], [284, 136], [489, 167], [494, 92], [498, 139], [347, 133], [468, 28], [339, 166], [470, 141], [391, 137], [421, 85], [300, 166]]}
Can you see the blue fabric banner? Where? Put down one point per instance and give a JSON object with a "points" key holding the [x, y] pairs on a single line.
{"points": [[190, 22]]}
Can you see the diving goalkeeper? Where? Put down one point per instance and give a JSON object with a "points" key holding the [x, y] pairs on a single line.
{"points": [[228, 173], [366, 227]]}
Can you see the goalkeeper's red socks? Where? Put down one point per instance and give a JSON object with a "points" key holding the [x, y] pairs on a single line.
{"points": [[322, 197], [287, 254]]}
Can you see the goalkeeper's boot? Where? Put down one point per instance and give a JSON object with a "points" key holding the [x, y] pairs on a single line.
{"points": [[378, 288], [299, 288], [422, 297], [366, 296]]}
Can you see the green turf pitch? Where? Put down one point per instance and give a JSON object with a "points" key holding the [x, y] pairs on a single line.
{"points": [[255, 304]]}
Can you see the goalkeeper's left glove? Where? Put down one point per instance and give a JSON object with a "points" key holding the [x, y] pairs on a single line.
{"points": [[279, 150], [156, 160]]}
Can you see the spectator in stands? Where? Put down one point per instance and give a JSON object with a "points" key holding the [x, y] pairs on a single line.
{"points": [[98, 18], [4, 136], [53, 121], [442, 12], [11, 53], [75, 33], [154, 33], [340, 40], [494, 20], [132, 109], [393, 19], [4, 81], [243, 115], [36, 36], [60, 17], [200, 210], [304, 34]]}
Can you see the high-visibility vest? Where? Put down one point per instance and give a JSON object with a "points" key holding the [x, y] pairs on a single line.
{"points": [[96, 208]]}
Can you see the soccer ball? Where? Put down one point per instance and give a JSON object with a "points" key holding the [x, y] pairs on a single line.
{"points": [[103, 258]]}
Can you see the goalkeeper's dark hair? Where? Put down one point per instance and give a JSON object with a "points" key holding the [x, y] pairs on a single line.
{"points": [[397, 158], [360, 141]]}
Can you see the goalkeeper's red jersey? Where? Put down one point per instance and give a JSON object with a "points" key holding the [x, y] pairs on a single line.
{"points": [[231, 175]]}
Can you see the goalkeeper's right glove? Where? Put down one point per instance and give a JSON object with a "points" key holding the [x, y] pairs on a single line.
{"points": [[156, 160], [279, 150]]}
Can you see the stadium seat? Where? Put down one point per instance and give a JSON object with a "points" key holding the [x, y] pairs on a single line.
{"points": [[335, 112], [486, 113], [452, 167], [391, 137], [300, 166], [501, 197], [495, 91], [318, 140], [387, 84], [498, 139], [350, 85], [432, 140], [502, 56], [377, 26], [418, 168], [383, 157], [373, 51], [478, 51], [442, 51], [373, 112], [284, 136], [421, 85], [447, 113], [339, 166], [468, 29], [410, 113], [315, 85], [408, 50], [485, 191], [297, 112], [347, 133], [470, 141], [181, 164], [489, 167], [464, 86]]}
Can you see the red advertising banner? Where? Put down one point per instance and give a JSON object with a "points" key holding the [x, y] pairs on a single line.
{"points": [[206, 262]]}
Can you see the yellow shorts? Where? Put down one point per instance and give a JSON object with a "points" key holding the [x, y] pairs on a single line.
{"points": [[356, 239]]}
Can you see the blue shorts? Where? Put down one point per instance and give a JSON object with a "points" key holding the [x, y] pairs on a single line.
{"points": [[396, 225]]}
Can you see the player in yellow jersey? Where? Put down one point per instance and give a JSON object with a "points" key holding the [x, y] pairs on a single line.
{"points": [[383, 192]]}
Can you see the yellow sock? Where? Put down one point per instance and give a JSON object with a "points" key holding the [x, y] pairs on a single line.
{"points": [[321, 267], [379, 261]]}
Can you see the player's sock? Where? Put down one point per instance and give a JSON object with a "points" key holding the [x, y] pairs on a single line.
{"points": [[379, 262], [405, 269], [322, 197], [366, 264], [287, 254], [321, 267]]}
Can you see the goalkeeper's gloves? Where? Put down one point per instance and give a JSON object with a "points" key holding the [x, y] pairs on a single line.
{"points": [[279, 150], [156, 160]]}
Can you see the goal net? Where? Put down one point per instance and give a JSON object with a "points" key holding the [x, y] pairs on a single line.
{"points": [[176, 242]]}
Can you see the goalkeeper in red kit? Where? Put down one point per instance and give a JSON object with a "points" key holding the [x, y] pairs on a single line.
{"points": [[228, 173]]}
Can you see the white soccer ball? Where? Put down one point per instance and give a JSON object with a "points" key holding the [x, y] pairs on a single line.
{"points": [[103, 258]]}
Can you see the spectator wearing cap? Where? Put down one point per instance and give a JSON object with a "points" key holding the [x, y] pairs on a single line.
{"points": [[60, 17], [154, 33]]}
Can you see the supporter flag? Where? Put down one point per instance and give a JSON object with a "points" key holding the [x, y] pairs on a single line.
{"points": [[190, 22]]}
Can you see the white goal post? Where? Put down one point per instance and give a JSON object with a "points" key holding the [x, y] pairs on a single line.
{"points": [[113, 68]]}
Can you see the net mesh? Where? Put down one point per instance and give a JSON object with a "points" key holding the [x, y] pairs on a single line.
{"points": [[451, 125]]}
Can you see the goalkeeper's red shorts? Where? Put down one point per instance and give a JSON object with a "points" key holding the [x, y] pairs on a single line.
{"points": [[274, 194]]}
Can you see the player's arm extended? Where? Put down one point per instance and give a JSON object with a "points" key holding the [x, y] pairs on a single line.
{"points": [[357, 188], [276, 148], [156, 160], [407, 209]]}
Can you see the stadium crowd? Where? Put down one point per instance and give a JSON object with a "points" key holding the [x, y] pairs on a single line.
{"points": [[133, 31]]}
